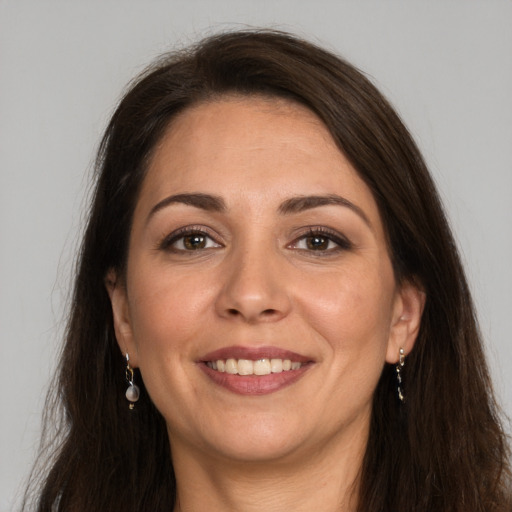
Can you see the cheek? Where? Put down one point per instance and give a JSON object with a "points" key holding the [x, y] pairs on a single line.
{"points": [[352, 310], [168, 317], [351, 313], [166, 312]]}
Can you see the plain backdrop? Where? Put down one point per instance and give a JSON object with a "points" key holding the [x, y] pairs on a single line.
{"points": [[445, 65]]}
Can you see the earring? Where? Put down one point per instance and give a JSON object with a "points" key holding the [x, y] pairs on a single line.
{"points": [[133, 392], [399, 366]]}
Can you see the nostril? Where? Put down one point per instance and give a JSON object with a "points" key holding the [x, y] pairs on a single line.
{"points": [[265, 313]]}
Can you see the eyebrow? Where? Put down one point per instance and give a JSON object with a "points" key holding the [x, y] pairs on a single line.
{"points": [[212, 203], [302, 203], [205, 202]]}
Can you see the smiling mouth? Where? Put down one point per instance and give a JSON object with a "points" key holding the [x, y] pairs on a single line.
{"points": [[254, 370], [257, 367]]}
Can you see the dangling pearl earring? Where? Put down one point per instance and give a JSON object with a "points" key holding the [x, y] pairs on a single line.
{"points": [[399, 366], [133, 392]]}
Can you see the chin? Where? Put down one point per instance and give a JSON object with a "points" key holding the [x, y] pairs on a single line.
{"points": [[248, 440], [259, 449]]}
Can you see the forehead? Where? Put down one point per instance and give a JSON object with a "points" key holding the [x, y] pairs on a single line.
{"points": [[253, 150], [237, 127]]}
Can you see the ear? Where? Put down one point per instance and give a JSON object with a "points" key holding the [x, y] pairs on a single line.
{"points": [[406, 320], [116, 289]]}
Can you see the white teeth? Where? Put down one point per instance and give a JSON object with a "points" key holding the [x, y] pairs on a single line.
{"points": [[262, 367], [248, 367], [231, 366], [245, 367], [276, 365]]}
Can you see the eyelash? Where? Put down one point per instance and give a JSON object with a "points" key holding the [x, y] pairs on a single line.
{"points": [[180, 234], [341, 242]]}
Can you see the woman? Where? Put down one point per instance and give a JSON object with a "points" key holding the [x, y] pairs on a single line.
{"points": [[268, 275]]}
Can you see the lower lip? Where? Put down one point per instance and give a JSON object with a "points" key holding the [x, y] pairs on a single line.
{"points": [[255, 384]]}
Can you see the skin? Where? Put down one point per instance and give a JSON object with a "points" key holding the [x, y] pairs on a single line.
{"points": [[259, 281]]}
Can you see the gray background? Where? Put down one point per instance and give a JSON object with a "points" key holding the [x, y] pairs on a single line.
{"points": [[446, 66]]}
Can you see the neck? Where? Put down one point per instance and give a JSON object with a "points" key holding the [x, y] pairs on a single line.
{"points": [[323, 479]]}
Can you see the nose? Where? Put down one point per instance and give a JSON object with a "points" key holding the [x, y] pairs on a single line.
{"points": [[254, 287]]}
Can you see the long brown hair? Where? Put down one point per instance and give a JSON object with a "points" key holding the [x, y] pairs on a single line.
{"points": [[443, 450]]}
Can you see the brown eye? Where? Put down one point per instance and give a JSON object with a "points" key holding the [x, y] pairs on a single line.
{"points": [[188, 240], [194, 242], [322, 242], [317, 243]]}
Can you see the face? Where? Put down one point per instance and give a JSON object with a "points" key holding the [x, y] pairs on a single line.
{"points": [[259, 300]]}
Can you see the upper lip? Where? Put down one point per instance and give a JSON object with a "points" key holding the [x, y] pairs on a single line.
{"points": [[254, 353]]}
